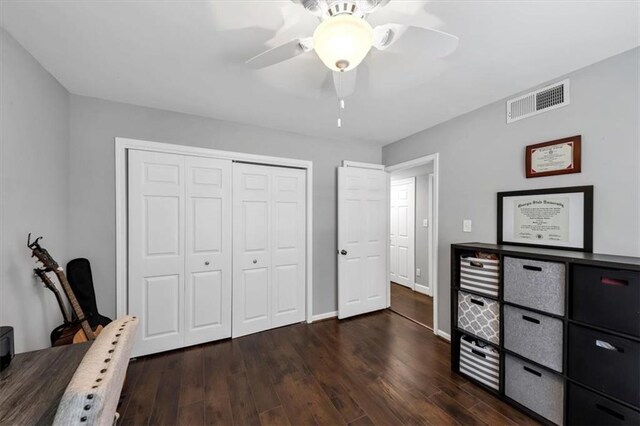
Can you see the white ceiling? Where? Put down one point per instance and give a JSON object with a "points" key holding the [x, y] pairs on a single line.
{"points": [[188, 56]]}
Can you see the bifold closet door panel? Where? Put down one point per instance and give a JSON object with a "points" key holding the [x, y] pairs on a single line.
{"points": [[288, 276], [251, 249], [156, 249], [208, 250]]}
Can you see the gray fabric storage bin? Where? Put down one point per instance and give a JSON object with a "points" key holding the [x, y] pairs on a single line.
{"points": [[539, 390], [534, 336], [535, 284], [479, 316], [480, 275], [480, 363]]}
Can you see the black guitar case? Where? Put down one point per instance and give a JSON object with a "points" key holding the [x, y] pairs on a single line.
{"points": [[81, 281]]}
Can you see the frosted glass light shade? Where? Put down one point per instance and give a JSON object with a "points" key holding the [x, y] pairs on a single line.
{"points": [[343, 41]]}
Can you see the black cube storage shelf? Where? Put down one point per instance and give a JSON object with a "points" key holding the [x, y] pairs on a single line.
{"points": [[593, 286]]}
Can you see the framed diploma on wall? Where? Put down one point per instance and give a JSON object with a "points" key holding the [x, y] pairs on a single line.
{"points": [[558, 157], [560, 218]]}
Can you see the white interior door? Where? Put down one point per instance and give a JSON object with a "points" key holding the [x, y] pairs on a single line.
{"points": [[251, 249], [402, 232], [269, 247], [363, 208], [156, 249], [288, 223], [208, 250]]}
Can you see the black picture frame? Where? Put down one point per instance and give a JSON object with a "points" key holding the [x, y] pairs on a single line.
{"points": [[587, 191]]}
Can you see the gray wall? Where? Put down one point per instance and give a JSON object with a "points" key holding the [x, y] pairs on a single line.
{"points": [[34, 123], [481, 155], [422, 233], [94, 125]]}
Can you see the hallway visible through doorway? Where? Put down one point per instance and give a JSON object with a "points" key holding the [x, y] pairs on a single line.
{"points": [[411, 304], [412, 228]]}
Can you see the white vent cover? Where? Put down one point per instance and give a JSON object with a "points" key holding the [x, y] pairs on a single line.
{"points": [[539, 101]]}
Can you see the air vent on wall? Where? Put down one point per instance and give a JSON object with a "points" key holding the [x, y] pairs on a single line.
{"points": [[539, 101]]}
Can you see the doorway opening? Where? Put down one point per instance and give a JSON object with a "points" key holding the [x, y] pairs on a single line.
{"points": [[413, 240]]}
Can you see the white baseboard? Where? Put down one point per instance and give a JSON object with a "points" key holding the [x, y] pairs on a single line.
{"points": [[422, 289], [445, 336], [326, 315]]}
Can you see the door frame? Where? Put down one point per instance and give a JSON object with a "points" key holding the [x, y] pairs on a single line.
{"points": [[413, 182], [122, 145], [435, 159]]}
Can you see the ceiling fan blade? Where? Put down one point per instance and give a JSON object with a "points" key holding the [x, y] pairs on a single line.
{"points": [[345, 82], [415, 39], [370, 6], [315, 7], [281, 53]]}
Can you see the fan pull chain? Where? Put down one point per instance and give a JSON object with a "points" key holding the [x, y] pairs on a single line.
{"points": [[340, 102]]}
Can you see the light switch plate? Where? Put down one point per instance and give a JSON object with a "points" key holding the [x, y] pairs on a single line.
{"points": [[425, 223], [466, 225], [417, 272]]}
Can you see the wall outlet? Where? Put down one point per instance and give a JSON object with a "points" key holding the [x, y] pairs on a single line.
{"points": [[466, 225], [425, 223], [417, 272]]}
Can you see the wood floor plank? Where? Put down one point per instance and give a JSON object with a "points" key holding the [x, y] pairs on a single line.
{"points": [[416, 306], [243, 408], [134, 371], [326, 373], [165, 411], [191, 415], [143, 397], [362, 421], [454, 409], [192, 383], [377, 369], [264, 394], [274, 417], [490, 416], [217, 402], [501, 407]]}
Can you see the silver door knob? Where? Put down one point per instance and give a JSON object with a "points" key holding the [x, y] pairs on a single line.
{"points": [[255, 261], [343, 252], [206, 263]]}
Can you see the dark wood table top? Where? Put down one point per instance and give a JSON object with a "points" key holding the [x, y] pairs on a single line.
{"points": [[33, 384]]}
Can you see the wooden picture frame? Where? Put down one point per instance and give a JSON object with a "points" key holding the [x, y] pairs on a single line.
{"points": [[557, 218], [557, 157]]}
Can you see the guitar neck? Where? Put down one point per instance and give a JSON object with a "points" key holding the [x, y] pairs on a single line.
{"points": [[49, 284], [74, 303]]}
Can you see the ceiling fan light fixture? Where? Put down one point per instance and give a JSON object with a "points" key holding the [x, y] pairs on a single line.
{"points": [[343, 41]]}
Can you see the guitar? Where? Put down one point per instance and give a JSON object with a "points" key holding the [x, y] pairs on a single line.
{"points": [[42, 274], [84, 332]]}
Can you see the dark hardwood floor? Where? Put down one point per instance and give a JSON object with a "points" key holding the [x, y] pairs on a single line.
{"points": [[375, 369], [411, 304]]}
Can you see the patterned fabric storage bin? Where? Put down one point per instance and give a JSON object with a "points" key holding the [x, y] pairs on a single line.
{"points": [[534, 336], [537, 389], [535, 284], [480, 363], [479, 316], [479, 275]]}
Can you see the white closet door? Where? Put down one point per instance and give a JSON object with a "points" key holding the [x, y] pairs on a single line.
{"points": [[269, 227], [403, 232], [251, 249], [363, 206], [208, 250], [288, 246], [156, 249]]}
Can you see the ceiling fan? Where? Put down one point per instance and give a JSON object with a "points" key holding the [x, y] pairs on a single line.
{"points": [[343, 39]]}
